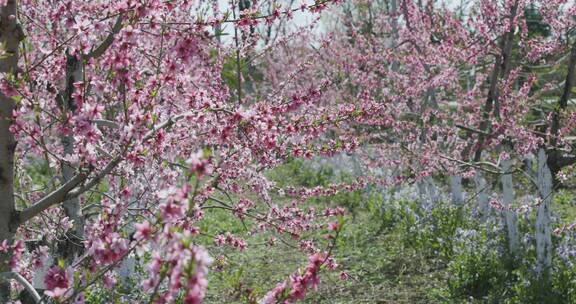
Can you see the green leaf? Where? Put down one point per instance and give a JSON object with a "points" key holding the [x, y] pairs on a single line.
{"points": [[17, 98]]}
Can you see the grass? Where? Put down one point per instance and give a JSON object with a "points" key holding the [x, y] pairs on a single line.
{"points": [[382, 268], [387, 261], [399, 254]]}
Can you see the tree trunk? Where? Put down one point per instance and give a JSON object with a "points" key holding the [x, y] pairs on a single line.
{"points": [[10, 36], [72, 246], [510, 217], [7, 146], [427, 193], [422, 192], [432, 190], [528, 166], [543, 229], [394, 66], [456, 190], [482, 197]]}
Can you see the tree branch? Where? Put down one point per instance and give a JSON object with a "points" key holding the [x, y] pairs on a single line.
{"points": [[563, 102], [101, 49], [57, 196], [20, 279], [105, 123], [69, 190], [501, 70], [169, 122], [473, 130], [94, 181]]}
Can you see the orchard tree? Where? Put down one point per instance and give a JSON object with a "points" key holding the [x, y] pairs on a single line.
{"points": [[137, 117], [478, 92], [118, 113]]}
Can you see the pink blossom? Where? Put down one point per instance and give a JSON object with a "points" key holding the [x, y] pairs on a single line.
{"points": [[143, 231], [333, 226], [57, 281]]}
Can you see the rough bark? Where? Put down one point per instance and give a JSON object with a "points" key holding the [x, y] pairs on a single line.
{"points": [[528, 166], [482, 198], [72, 246], [543, 228], [510, 217], [10, 36]]}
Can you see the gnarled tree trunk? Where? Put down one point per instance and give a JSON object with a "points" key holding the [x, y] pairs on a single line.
{"points": [[10, 36]]}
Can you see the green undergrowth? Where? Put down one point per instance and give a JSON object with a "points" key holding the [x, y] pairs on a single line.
{"points": [[392, 251], [382, 268], [397, 252], [387, 262]]}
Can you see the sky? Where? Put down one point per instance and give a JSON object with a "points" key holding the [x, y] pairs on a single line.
{"points": [[299, 18], [303, 18]]}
